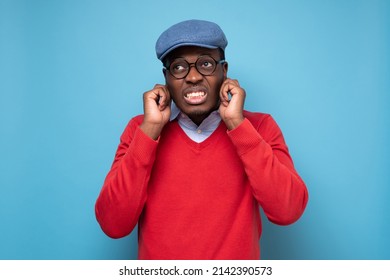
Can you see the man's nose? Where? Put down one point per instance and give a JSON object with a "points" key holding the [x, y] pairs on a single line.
{"points": [[193, 75]]}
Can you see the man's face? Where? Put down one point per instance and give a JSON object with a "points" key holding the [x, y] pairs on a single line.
{"points": [[196, 95]]}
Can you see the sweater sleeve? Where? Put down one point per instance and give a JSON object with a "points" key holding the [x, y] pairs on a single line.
{"points": [[123, 194], [275, 183]]}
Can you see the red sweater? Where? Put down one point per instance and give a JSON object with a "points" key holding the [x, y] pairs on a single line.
{"points": [[200, 200]]}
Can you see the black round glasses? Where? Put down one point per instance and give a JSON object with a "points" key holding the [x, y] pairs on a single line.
{"points": [[205, 65]]}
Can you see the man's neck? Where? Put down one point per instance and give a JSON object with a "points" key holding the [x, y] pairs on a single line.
{"points": [[198, 119]]}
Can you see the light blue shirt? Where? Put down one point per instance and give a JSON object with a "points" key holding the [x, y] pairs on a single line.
{"points": [[194, 132]]}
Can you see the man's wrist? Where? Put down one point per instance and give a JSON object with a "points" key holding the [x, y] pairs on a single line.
{"points": [[152, 130], [233, 123]]}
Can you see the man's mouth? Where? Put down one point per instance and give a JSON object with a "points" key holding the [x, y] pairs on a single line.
{"points": [[195, 98]]}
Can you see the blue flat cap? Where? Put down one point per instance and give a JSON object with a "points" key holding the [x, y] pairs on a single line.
{"points": [[193, 32]]}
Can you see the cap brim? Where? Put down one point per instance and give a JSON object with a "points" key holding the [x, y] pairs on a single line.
{"points": [[183, 45]]}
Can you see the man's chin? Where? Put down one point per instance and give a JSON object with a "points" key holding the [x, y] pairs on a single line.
{"points": [[198, 114]]}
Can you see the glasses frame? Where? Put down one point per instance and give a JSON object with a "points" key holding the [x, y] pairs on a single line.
{"points": [[194, 64]]}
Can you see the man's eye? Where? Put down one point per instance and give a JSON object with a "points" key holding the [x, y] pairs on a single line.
{"points": [[178, 67], [207, 64]]}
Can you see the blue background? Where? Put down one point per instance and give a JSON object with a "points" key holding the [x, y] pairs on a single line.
{"points": [[73, 73]]}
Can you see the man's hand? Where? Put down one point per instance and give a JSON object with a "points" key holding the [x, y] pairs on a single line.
{"points": [[232, 103], [157, 110]]}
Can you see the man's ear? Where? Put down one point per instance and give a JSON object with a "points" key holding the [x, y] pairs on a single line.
{"points": [[164, 70], [225, 70]]}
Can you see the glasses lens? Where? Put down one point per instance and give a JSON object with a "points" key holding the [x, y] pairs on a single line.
{"points": [[205, 65], [179, 68]]}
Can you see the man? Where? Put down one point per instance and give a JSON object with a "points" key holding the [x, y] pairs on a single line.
{"points": [[193, 172]]}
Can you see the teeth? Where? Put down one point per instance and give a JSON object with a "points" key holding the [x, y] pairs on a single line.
{"points": [[195, 94]]}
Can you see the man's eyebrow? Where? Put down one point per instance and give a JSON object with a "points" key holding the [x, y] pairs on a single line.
{"points": [[176, 57]]}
